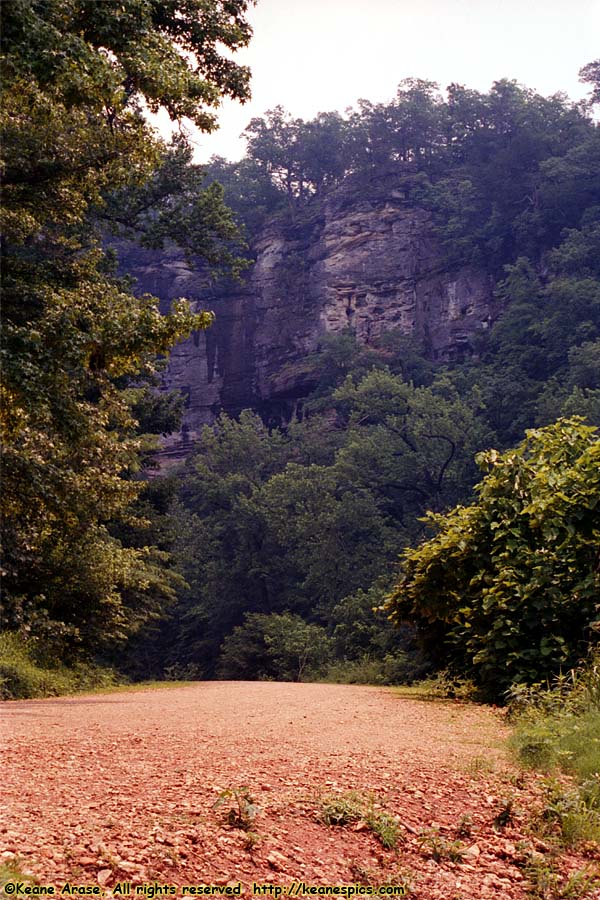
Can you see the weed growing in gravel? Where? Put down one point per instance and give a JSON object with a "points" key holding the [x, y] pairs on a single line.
{"points": [[479, 765], [372, 877], [351, 808], [571, 815], [341, 809], [464, 829], [506, 815], [362, 875], [385, 828], [253, 839], [10, 870], [437, 847], [242, 809], [545, 883]]}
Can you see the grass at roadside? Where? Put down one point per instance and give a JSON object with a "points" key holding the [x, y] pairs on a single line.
{"points": [[569, 741], [440, 686], [22, 677], [557, 731]]}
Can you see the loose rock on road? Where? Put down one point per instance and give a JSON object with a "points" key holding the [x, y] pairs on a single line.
{"points": [[121, 789]]}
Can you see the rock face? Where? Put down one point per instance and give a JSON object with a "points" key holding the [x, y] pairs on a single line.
{"points": [[363, 259]]}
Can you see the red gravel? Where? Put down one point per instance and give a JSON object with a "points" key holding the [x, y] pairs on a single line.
{"points": [[121, 788]]}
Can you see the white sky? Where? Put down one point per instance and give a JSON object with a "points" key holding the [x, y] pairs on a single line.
{"points": [[314, 56]]}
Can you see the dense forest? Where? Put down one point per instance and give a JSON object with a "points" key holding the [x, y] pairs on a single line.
{"points": [[274, 552]]}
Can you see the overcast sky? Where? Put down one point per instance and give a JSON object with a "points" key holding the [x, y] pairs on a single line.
{"points": [[313, 56]]}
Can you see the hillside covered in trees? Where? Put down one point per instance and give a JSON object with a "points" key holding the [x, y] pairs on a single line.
{"points": [[265, 554], [289, 537]]}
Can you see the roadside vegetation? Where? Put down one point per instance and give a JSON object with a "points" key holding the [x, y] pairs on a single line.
{"points": [[557, 731], [23, 676]]}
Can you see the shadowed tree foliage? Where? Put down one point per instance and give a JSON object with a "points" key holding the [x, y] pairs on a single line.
{"points": [[280, 646], [76, 79]]}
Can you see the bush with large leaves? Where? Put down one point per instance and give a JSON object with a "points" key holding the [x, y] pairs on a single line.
{"points": [[508, 590]]}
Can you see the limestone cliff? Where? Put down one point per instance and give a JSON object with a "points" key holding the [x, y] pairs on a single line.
{"points": [[361, 259]]}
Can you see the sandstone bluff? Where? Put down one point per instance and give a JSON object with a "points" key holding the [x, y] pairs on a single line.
{"points": [[364, 259]]}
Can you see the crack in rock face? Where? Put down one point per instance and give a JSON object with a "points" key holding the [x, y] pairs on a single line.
{"points": [[373, 266]]}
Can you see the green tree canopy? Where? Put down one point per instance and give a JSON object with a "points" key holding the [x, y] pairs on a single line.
{"points": [[279, 646], [411, 446], [76, 80], [508, 589]]}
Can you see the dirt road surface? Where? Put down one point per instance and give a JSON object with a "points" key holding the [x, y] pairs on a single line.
{"points": [[119, 790]]}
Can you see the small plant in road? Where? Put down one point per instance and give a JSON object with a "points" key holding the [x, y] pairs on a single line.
{"points": [[353, 809], [437, 847], [341, 809], [242, 809]]}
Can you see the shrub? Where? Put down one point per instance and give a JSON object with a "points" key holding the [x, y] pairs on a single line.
{"points": [[23, 678], [508, 589], [279, 646], [391, 668]]}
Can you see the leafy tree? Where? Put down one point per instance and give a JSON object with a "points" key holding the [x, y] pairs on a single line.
{"points": [[578, 392], [257, 532], [590, 74], [361, 629], [248, 190], [556, 400], [76, 78], [579, 251], [568, 190], [493, 200], [367, 648], [221, 544], [176, 204], [526, 375], [324, 151], [280, 646], [412, 447], [407, 131], [272, 143], [325, 537], [301, 159], [321, 430], [584, 365], [296, 646], [507, 590], [508, 396]]}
